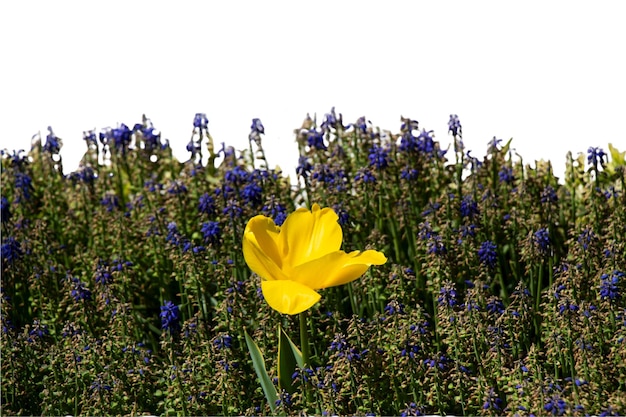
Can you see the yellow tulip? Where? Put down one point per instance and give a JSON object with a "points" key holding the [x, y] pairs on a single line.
{"points": [[301, 257]]}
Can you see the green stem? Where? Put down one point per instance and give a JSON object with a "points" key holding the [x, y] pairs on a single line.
{"points": [[306, 353], [304, 340]]}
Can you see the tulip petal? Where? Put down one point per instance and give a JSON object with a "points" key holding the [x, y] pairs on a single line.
{"points": [[337, 268], [288, 297], [260, 248], [307, 235]]}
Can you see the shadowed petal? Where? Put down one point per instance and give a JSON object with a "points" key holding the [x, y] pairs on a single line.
{"points": [[260, 249], [337, 268], [288, 297]]}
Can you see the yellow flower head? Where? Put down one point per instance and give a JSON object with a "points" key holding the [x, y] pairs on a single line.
{"points": [[301, 257]]}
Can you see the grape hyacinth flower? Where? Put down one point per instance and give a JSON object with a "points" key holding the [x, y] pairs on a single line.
{"points": [[122, 137], [436, 246], [315, 139], [251, 193], [18, 158], [89, 136], [506, 175], [409, 125], [257, 126], [176, 238], [342, 213], [200, 121], [80, 292], [84, 174], [206, 204], [304, 167], [378, 157], [23, 183], [409, 174], [494, 143], [110, 202], [361, 124], [364, 175], [331, 120], [5, 209], [103, 274], [487, 254], [256, 130], [609, 287], [276, 211], [38, 331], [555, 406], [150, 135], [447, 295], [425, 142], [548, 195], [493, 401], [411, 410], [236, 176], [223, 342], [170, 317], [177, 187], [11, 250], [468, 207], [495, 306], [211, 232], [586, 237], [596, 156], [454, 125], [541, 239], [53, 144], [193, 147]]}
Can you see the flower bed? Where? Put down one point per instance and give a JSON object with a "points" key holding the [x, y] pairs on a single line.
{"points": [[125, 289]]}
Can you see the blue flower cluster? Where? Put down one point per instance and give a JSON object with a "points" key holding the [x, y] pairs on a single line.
{"points": [[422, 143], [378, 157], [170, 317], [609, 286], [79, 291], [487, 254], [454, 125], [5, 209], [595, 156], [200, 121], [11, 250], [447, 295], [53, 143], [541, 239], [211, 232]]}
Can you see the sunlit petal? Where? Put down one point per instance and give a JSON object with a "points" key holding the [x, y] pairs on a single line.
{"points": [[307, 235], [289, 297], [337, 268]]}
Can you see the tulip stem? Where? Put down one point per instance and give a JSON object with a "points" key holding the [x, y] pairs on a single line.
{"points": [[304, 340], [306, 352]]}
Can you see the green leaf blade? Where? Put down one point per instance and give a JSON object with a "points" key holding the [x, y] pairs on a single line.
{"points": [[289, 359], [258, 363]]}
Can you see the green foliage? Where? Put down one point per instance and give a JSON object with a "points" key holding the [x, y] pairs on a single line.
{"points": [[259, 367], [124, 289]]}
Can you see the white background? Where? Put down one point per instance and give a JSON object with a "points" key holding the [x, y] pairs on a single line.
{"points": [[551, 75]]}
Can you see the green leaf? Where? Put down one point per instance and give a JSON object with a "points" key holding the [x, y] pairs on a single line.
{"points": [[505, 148], [259, 367], [617, 157], [289, 358]]}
